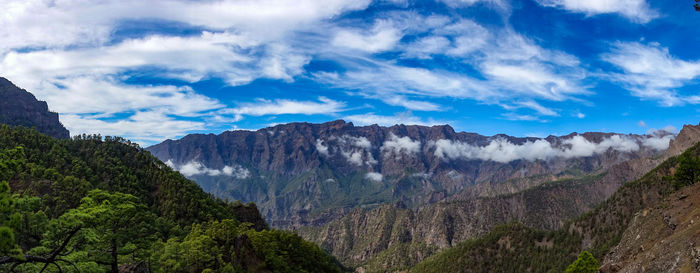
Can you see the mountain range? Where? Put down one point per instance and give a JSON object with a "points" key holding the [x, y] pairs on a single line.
{"points": [[303, 174]]}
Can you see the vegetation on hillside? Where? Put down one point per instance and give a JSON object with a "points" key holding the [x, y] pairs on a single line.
{"points": [[585, 263], [94, 204]]}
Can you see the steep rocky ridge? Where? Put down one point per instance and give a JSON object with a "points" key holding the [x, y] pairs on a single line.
{"points": [[364, 234], [303, 174], [20, 108], [663, 238]]}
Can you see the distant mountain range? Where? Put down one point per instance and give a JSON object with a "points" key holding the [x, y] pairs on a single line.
{"points": [[20, 108], [303, 174], [365, 238]]}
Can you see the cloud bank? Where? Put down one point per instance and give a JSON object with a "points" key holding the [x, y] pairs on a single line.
{"points": [[635, 10], [398, 145], [356, 150], [503, 151], [196, 168], [372, 176]]}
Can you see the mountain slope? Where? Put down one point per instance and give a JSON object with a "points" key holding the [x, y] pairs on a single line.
{"points": [[663, 238], [368, 236], [304, 174], [597, 231], [20, 108], [90, 204]]}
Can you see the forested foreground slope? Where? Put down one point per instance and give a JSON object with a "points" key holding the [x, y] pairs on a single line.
{"points": [[614, 223], [94, 204]]}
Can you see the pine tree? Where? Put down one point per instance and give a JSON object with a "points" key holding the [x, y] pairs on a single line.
{"points": [[585, 263]]}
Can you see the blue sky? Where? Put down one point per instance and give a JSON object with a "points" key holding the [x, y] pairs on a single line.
{"points": [[156, 70]]}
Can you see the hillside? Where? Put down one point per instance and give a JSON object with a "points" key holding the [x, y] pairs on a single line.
{"points": [[369, 236], [303, 174], [20, 108], [516, 248], [94, 204]]}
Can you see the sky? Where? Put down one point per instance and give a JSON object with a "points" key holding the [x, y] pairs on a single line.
{"points": [[156, 70]]}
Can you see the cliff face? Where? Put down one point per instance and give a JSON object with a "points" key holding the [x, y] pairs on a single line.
{"points": [[664, 238], [364, 234], [303, 174], [20, 108]]}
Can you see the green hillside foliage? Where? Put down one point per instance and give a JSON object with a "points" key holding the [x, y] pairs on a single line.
{"points": [[516, 248], [585, 263], [94, 204]]}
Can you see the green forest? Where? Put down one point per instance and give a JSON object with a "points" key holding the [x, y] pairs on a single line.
{"points": [[103, 204]]}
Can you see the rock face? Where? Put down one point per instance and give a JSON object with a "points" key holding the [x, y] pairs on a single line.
{"points": [[20, 108], [303, 174], [665, 238], [363, 234]]}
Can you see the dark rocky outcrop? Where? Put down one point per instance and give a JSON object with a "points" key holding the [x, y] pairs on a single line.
{"points": [[20, 108]]}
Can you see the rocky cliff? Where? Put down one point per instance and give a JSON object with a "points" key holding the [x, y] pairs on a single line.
{"points": [[303, 174], [20, 108], [662, 238]]}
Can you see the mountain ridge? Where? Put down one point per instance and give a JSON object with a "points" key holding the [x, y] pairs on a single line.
{"points": [[310, 174], [19, 107]]}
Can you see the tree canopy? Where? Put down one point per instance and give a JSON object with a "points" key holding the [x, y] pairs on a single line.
{"points": [[94, 204]]}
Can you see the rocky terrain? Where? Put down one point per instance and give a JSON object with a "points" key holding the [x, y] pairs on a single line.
{"points": [[364, 234], [663, 238], [303, 174], [20, 108]]}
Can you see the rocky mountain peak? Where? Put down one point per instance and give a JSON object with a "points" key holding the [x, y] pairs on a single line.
{"points": [[685, 138], [18, 107]]}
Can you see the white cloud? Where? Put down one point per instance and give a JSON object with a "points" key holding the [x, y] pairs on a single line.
{"points": [[67, 53], [501, 150], [236, 171], [145, 127], [385, 79], [70, 22], [514, 116], [511, 66], [531, 104], [411, 104], [498, 150], [427, 46], [264, 107], [651, 72], [322, 149], [467, 3], [196, 168], [356, 150], [641, 123], [659, 143], [398, 145], [668, 129], [580, 115], [382, 37], [376, 177], [146, 114], [400, 118], [635, 10]]}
